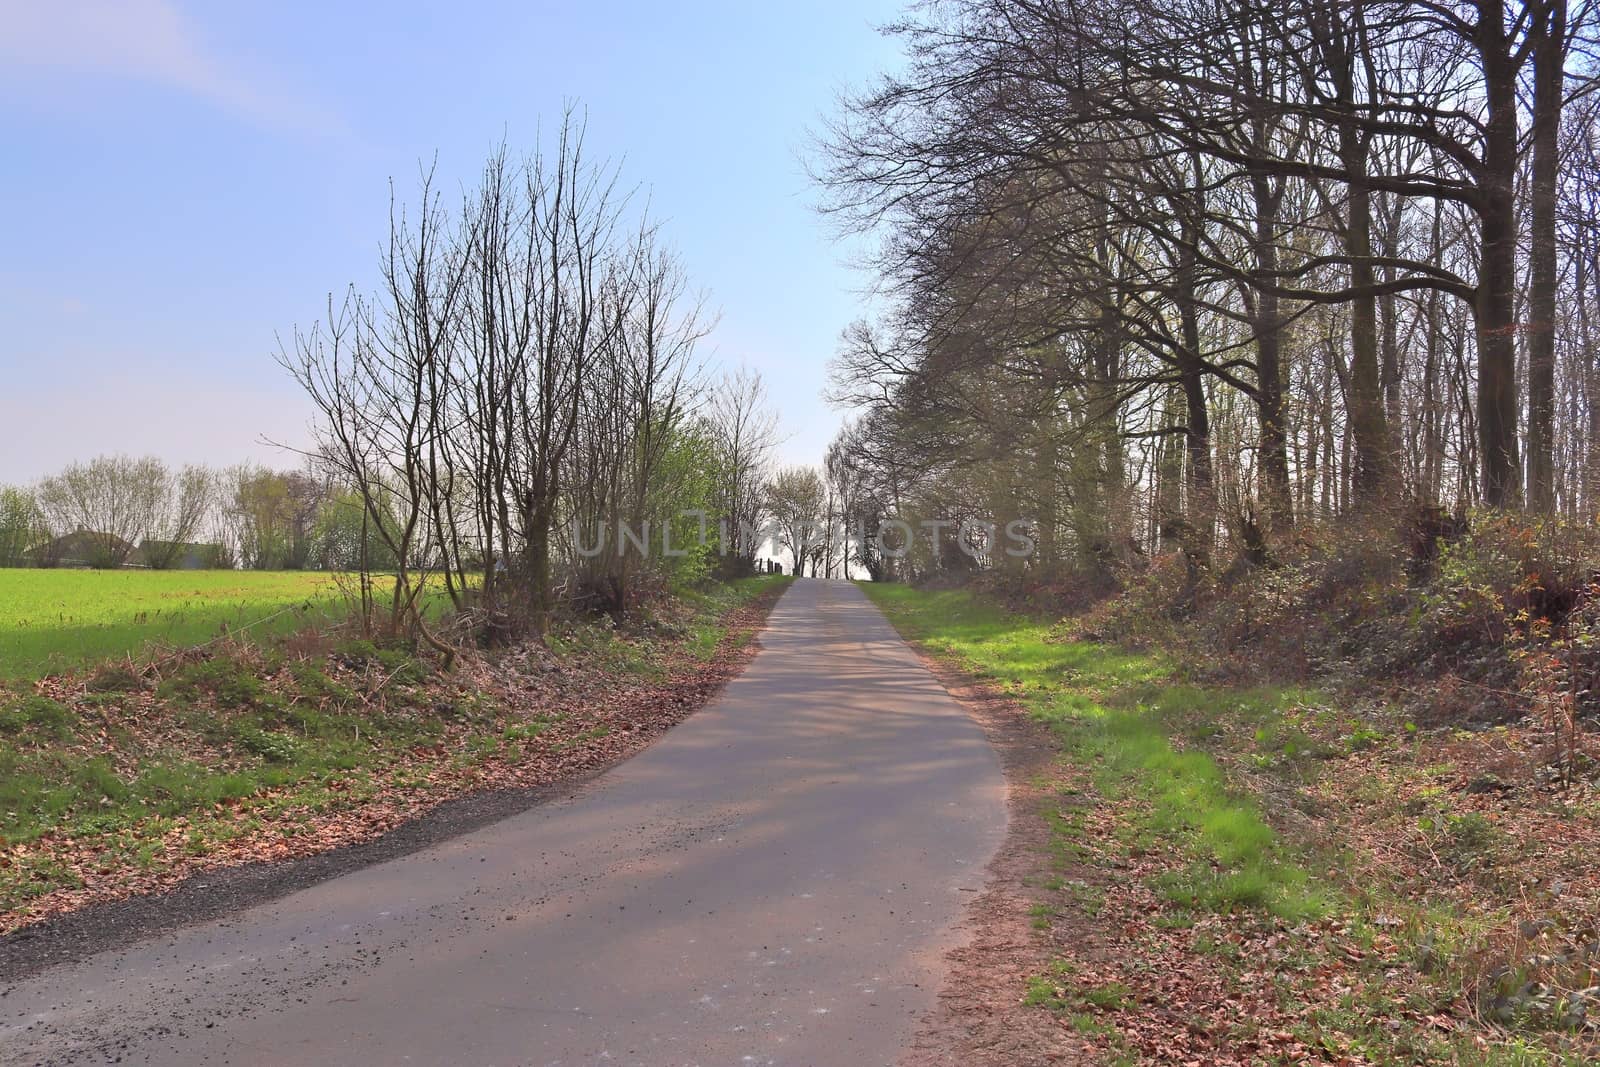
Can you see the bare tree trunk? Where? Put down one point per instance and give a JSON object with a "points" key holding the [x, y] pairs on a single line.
{"points": [[1549, 63], [1367, 422], [1202, 490], [1269, 362], [1497, 277]]}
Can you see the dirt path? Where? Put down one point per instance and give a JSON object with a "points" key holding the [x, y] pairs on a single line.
{"points": [[777, 881]]}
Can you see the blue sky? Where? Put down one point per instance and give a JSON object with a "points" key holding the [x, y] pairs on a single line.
{"points": [[183, 180]]}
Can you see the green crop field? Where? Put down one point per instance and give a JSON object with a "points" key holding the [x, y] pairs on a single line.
{"points": [[57, 619]]}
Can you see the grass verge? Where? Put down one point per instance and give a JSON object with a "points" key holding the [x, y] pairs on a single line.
{"points": [[1273, 876]]}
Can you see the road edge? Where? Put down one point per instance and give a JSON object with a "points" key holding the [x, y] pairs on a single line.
{"points": [[213, 894], [980, 1019]]}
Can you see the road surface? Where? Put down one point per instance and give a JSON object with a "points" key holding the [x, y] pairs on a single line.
{"points": [[774, 882]]}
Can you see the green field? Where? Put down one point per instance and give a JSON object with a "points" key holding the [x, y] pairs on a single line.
{"points": [[54, 620]]}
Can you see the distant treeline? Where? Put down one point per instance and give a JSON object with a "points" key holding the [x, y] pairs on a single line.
{"points": [[117, 511]]}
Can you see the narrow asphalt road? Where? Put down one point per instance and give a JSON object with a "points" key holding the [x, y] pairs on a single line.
{"points": [[775, 881]]}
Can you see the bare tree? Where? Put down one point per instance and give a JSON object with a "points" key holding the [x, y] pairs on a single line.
{"points": [[527, 369], [745, 430], [113, 503], [797, 499], [187, 500], [22, 526]]}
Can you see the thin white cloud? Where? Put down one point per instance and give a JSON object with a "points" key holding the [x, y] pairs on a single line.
{"points": [[145, 40]]}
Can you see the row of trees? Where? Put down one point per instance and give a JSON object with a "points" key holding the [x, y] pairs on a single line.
{"points": [[1207, 269], [116, 511], [521, 407]]}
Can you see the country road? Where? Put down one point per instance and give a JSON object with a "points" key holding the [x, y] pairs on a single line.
{"points": [[775, 881]]}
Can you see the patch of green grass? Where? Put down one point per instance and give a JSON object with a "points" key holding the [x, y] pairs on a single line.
{"points": [[525, 731], [704, 640], [1109, 996], [1124, 714], [395, 666], [37, 714], [599, 643], [700, 634], [314, 685], [1044, 993], [1078, 1004], [52, 620], [53, 777], [46, 788], [718, 598], [271, 745], [223, 681]]}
